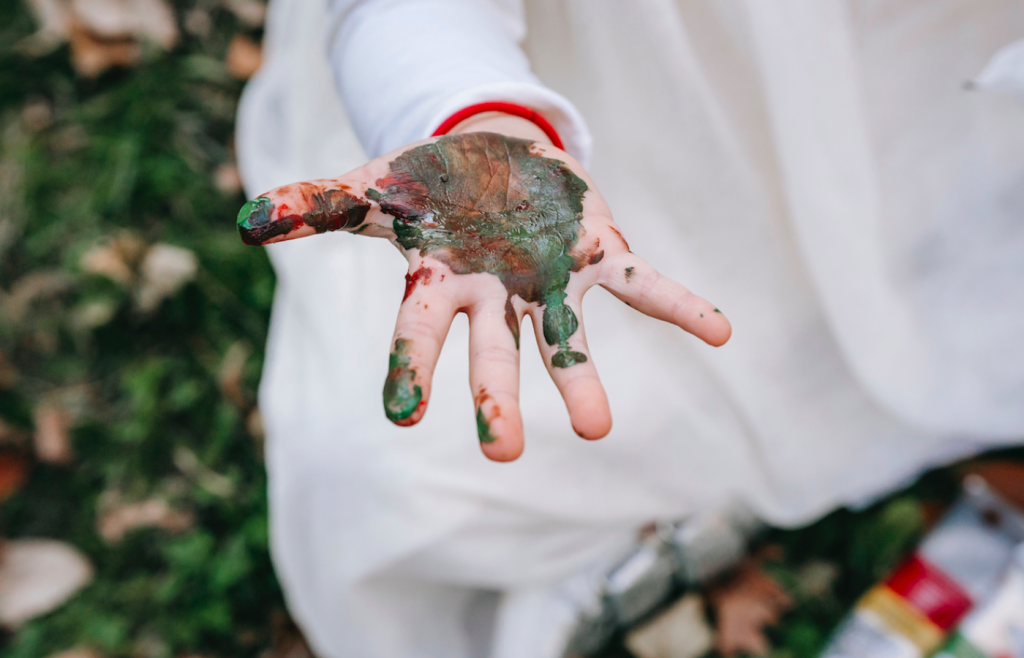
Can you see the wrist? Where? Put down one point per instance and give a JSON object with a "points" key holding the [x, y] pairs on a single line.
{"points": [[503, 124]]}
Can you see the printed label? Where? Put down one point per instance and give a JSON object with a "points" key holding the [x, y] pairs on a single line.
{"points": [[908, 616], [930, 592]]}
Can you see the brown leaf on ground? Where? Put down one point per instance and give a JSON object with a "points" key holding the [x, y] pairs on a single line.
{"points": [[144, 20], [117, 518], [244, 57], [8, 375], [197, 22], [254, 424], [251, 13], [52, 436], [226, 178], [11, 435], [54, 20], [80, 652], [682, 631], [816, 578], [1004, 476], [38, 285], [164, 270], [38, 576], [214, 482], [232, 371], [744, 606], [91, 55], [36, 115], [116, 258], [13, 473], [286, 638]]}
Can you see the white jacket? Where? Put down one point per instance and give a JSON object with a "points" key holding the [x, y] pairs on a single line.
{"points": [[815, 167]]}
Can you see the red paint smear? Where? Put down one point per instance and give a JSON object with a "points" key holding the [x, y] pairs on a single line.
{"points": [[422, 275]]}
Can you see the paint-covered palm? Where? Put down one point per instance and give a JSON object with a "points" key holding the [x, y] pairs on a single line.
{"points": [[497, 227]]}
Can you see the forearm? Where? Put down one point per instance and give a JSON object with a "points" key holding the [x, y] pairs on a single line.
{"points": [[403, 66]]}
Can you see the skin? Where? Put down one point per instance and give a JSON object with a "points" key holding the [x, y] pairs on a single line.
{"points": [[402, 396], [498, 224], [483, 202]]}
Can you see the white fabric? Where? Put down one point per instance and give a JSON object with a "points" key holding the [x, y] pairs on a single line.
{"points": [[453, 53], [1005, 73], [817, 169]]}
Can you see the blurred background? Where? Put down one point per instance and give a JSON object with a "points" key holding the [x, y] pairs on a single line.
{"points": [[133, 516]]}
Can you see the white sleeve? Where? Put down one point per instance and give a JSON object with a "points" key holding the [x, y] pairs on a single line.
{"points": [[404, 66]]}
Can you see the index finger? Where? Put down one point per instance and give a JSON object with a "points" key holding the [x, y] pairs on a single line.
{"points": [[307, 208]]}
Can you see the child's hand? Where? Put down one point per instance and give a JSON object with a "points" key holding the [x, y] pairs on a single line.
{"points": [[497, 227]]}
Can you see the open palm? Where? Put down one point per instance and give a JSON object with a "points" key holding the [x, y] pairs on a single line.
{"points": [[496, 227]]}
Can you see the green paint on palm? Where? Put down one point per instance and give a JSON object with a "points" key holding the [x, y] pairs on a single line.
{"points": [[401, 394], [483, 428], [483, 202]]}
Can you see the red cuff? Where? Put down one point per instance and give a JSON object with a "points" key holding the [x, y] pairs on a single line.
{"points": [[506, 108]]}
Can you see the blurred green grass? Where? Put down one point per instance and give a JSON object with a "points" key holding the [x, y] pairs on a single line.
{"points": [[132, 153], [131, 156]]}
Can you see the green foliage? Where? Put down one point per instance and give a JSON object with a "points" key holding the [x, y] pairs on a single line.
{"points": [[131, 156]]}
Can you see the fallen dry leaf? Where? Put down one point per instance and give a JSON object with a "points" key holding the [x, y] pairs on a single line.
{"points": [[164, 270], [816, 578], [244, 57], [1005, 477], [8, 375], [80, 652], [682, 631], [188, 463], [254, 424], [32, 287], [117, 518], [232, 370], [36, 115], [286, 638], [52, 436], [54, 20], [226, 178], [11, 435], [91, 55], [146, 20], [197, 22], [251, 13], [116, 258], [13, 473], [744, 606], [37, 576], [94, 313]]}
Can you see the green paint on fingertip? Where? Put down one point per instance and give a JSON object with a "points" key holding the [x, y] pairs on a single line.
{"points": [[255, 213], [255, 225], [717, 311], [483, 428], [402, 395], [372, 194], [564, 358], [701, 315]]}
